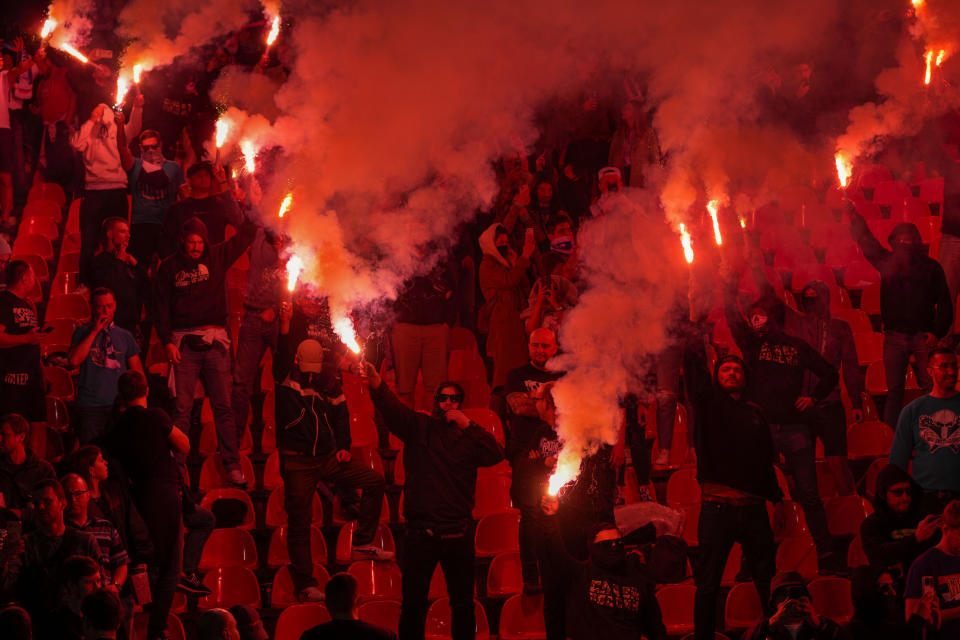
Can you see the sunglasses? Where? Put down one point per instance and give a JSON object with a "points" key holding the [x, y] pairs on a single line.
{"points": [[448, 397], [149, 146], [902, 491]]}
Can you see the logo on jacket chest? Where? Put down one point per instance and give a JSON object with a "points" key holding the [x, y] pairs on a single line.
{"points": [[198, 274], [617, 596], [780, 353]]}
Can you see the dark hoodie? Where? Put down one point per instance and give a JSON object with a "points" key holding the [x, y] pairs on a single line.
{"points": [[913, 288], [728, 428], [193, 293], [889, 538], [441, 461], [530, 475], [18, 480], [877, 616], [609, 600], [777, 363]]}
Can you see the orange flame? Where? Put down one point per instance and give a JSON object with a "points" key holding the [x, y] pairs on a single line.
{"points": [[137, 71], [743, 223], [249, 155], [844, 169], [712, 207], [940, 56], [223, 128], [927, 74], [66, 47], [917, 3], [294, 268], [285, 205], [48, 26], [685, 243], [344, 330], [274, 31], [123, 85], [567, 468]]}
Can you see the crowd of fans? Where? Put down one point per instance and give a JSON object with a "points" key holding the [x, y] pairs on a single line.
{"points": [[186, 329]]}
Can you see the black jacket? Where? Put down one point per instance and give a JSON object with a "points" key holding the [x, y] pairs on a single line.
{"points": [[216, 212], [193, 293], [828, 630], [913, 288], [310, 420], [129, 286], [776, 365], [889, 539], [530, 475], [732, 435], [441, 462], [115, 505], [17, 481]]}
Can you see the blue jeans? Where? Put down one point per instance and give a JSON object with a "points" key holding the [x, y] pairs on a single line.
{"points": [[254, 338], [797, 444], [213, 367], [897, 348]]}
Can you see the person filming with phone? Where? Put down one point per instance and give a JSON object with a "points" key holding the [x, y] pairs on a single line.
{"points": [[937, 570], [794, 616]]}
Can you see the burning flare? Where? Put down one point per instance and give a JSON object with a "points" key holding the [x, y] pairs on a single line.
{"points": [[48, 26], [123, 85], [567, 468], [927, 74], [249, 155], [285, 205], [685, 242], [137, 70], [294, 268], [66, 47], [344, 330], [274, 31], [222, 129], [712, 207], [844, 169]]}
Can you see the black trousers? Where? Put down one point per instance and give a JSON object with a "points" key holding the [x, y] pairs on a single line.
{"points": [[454, 552], [97, 206], [161, 510], [720, 526]]}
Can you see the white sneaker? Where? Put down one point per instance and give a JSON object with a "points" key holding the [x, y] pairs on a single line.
{"points": [[311, 594], [236, 478], [371, 552], [662, 459]]}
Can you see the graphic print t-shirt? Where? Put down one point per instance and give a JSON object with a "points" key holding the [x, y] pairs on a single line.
{"points": [[945, 571], [929, 430], [22, 362]]}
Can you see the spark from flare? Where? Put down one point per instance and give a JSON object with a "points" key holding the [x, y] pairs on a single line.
{"points": [[123, 86], [844, 169], [743, 223], [285, 205], [274, 31], [294, 268], [48, 26], [567, 467], [344, 330], [222, 129], [685, 242], [137, 71], [928, 73], [712, 207], [249, 155], [66, 47]]}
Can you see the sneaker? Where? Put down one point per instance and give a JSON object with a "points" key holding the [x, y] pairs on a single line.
{"points": [[371, 552], [662, 459], [236, 478], [311, 594], [190, 583]]}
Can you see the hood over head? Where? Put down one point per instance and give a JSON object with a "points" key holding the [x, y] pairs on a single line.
{"points": [[436, 395], [195, 226], [815, 298], [488, 244], [889, 476]]}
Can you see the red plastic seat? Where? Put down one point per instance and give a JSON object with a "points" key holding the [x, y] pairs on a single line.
{"points": [[504, 577], [277, 549], [869, 479], [60, 383], [231, 493], [213, 475], [676, 604], [679, 446], [859, 274], [438, 622], [282, 593], [174, 626], [805, 273], [344, 551], [296, 619], [466, 365], [870, 299], [47, 191], [856, 557], [68, 262], [871, 175], [492, 496], [489, 420], [831, 598], [795, 198], [208, 435], [39, 225], [799, 554], [846, 513], [231, 547], [229, 586], [889, 192], [462, 339], [43, 209], [691, 524], [930, 191], [58, 417], [381, 613], [38, 264], [743, 608], [376, 580], [70, 244], [840, 252], [368, 456], [276, 513], [683, 488], [858, 321], [438, 585], [522, 618], [794, 522], [497, 533], [62, 333], [34, 243], [271, 472], [73, 216], [881, 229], [868, 440], [363, 430], [732, 566], [357, 395], [65, 282], [71, 306]]}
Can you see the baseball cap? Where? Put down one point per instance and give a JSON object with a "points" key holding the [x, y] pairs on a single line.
{"points": [[310, 356]]}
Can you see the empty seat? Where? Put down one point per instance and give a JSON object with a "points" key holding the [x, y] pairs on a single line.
{"points": [[271, 472], [489, 420], [683, 488], [795, 198], [60, 383], [797, 554], [870, 299], [42, 209], [65, 282], [676, 604], [282, 593], [277, 550], [869, 479], [931, 192], [743, 608], [492, 495], [869, 440], [805, 273], [213, 475], [344, 551], [33, 243], [438, 623], [47, 191], [231, 547], [497, 533], [522, 618], [208, 435], [70, 305], [793, 522], [229, 586], [846, 513], [376, 580], [831, 598], [857, 319], [504, 577], [39, 225], [249, 518], [296, 619], [462, 338], [856, 557], [859, 274], [381, 613], [58, 417], [869, 346], [70, 244]]}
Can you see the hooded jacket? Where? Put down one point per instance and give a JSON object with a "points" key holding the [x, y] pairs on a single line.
{"points": [[441, 462], [193, 293], [889, 538], [776, 363], [97, 143], [875, 617], [913, 288], [727, 428], [18, 480]]}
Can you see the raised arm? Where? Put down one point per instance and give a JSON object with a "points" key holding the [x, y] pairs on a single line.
{"points": [[873, 251], [400, 419]]}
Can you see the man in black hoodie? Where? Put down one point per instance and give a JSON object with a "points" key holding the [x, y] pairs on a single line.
{"points": [[191, 317], [899, 529], [777, 364], [878, 609], [915, 305], [611, 596], [442, 452], [734, 487]]}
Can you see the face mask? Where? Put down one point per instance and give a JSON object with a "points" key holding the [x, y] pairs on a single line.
{"points": [[152, 156], [563, 244], [813, 304], [609, 555], [107, 117], [503, 250], [759, 322]]}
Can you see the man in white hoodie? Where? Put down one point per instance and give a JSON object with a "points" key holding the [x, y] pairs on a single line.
{"points": [[102, 142]]}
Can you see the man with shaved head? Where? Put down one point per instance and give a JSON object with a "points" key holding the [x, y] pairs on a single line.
{"points": [[217, 624], [523, 382]]}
